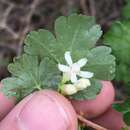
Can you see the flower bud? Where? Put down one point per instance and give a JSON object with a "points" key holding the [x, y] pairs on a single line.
{"points": [[82, 84], [69, 89]]}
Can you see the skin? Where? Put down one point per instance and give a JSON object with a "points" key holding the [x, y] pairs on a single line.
{"points": [[43, 110], [27, 115], [111, 120], [6, 104], [95, 107]]}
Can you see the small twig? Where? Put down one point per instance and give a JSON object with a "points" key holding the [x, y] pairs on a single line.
{"points": [[3, 21], [27, 20], [83, 6], [92, 7], [5, 1], [6, 13], [118, 102], [91, 124], [14, 35], [4, 26]]}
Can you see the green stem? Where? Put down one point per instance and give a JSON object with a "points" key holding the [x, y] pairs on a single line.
{"points": [[61, 87], [38, 87]]}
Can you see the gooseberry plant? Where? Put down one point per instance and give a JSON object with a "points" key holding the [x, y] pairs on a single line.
{"points": [[67, 61], [125, 11], [39, 67], [118, 39]]}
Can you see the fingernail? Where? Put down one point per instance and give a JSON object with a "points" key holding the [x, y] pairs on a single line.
{"points": [[23, 114], [29, 117]]}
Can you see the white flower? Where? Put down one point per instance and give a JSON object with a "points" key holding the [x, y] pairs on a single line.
{"points": [[69, 89], [73, 69], [82, 84]]}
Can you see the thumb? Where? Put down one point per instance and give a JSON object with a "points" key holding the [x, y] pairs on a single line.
{"points": [[43, 110]]}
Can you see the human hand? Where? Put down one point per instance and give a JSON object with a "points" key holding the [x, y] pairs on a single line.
{"points": [[28, 115]]}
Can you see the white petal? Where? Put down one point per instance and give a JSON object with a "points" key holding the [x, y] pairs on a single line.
{"points": [[82, 62], [86, 74], [68, 58], [63, 68], [73, 78]]}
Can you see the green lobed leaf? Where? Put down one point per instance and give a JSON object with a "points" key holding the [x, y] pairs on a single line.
{"points": [[50, 75], [88, 93], [75, 33], [118, 38], [37, 68], [101, 62], [126, 10], [122, 74], [16, 87], [28, 75], [40, 43], [126, 118], [125, 109]]}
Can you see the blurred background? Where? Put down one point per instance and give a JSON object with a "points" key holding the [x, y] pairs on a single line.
{"points": [[18, 17]]}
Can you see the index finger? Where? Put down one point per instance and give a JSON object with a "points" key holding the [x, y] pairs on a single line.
{"points": [[6, 104]]}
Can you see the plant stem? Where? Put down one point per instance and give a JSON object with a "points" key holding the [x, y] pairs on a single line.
{"points": [[118, 102], [38, 87], [90, 124]]}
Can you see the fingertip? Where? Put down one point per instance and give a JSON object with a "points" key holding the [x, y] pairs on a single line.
{"points": [[111, 120], [43, 111], [6, 104], [95, 107]]}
